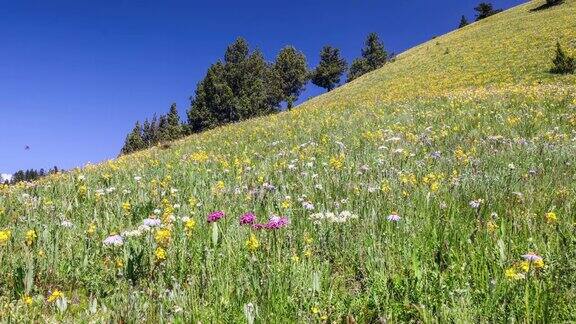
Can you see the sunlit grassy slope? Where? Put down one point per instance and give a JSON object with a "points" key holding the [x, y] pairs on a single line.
{"points": [[510, 48], [455, 208]]}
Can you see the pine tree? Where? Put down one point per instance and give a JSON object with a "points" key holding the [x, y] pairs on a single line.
{"points": [[213, 101], [463, 22], [292, 69], [551, 3], [563, 64], [255, 96], [331, 67], [373, 57], [174, 127], [485, 10], [237, 52], [242, 87], [133, 140], [147, 133]]}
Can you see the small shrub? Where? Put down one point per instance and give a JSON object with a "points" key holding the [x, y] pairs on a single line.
{"points": [[563, 63]]}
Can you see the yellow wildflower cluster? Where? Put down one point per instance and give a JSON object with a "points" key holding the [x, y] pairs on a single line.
{"points": [[252, 243], [5, 237]]}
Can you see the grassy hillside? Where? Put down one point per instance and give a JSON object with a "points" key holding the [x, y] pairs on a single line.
{"points": [[511, 48], [371, 205]]}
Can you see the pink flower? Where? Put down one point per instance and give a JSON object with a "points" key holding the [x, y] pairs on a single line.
{"points": [[247, 219], [276, 222], [215, 216], [393, 217]]}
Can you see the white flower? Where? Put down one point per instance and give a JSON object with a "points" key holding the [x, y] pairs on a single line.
{"points": [[132, 233], [475, 203], [115, 240], [308, 205], [66, 223], [151, 222], [137, 178]]}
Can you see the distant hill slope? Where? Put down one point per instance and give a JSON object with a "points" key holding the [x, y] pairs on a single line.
{"points": [[512, 47]]}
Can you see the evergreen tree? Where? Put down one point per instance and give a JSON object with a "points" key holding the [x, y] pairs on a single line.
{"points": [[292, 69], [147, 133], [213, 102], [241, 87], [463, 22], [134, 140], [373, 57], [563, 64], [174, 127], [331, 67], [237, 52], [163, 134], [551, 3], [485, 10], [154, 131]]}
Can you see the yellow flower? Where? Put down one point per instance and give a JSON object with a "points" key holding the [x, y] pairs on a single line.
{"points": [[308, 252], [491, 226], [31, 237], [307, 238], [119, 263], [295, 258], [286, 204], [551, 217], [27, 300], [252, 243], [160, 254], [315, 310], [524, 266], [91, 229], [538, 264], [82, 190], [511, 274], [5, 237], [126, 207], [162, 237], [190, 224], [55, 295], [337, 162]]}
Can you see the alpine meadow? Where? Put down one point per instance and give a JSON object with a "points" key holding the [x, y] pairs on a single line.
{"points": [[438, 188]]}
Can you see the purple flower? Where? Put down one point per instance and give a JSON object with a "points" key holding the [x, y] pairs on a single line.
{"points": [[247, 219], [115, 240], [531, 257], [393, 218], [276, 222], [151, 222], [215, 216]]}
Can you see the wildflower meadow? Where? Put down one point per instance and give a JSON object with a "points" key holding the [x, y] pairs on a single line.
{"points": [[459, 208], [439, 188]]}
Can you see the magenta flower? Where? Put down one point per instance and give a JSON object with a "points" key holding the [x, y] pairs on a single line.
{"points": [[247, 219], [215, 216], [276, 222]]}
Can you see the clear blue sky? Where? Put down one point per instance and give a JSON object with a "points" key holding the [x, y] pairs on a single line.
{"points": [[76, 75]]}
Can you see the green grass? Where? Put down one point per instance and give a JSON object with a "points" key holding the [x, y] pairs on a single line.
{"points": [[512, 48], [511, 145]]}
